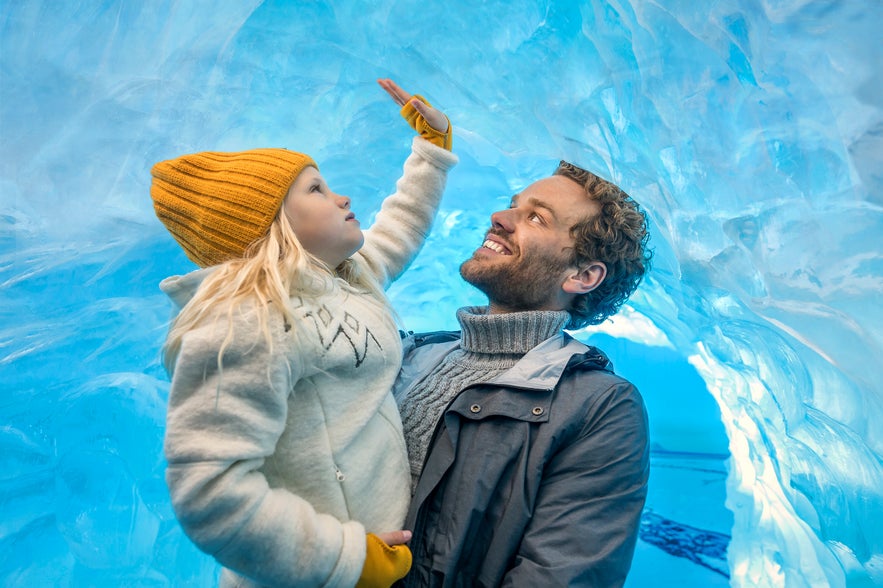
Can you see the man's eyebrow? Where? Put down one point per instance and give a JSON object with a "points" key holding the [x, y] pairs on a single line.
{"points": [[537, 203]]}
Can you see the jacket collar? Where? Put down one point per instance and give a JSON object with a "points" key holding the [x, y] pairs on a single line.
{"points": [[542, 367]]}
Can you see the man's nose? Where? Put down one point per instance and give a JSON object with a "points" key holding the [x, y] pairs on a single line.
{"points": [[504, 219]]}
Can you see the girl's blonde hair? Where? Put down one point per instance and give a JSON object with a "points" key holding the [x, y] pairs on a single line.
{"points": [[273, 268]]}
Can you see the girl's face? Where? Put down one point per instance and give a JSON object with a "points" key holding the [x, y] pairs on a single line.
{"points": [[321, 219]]}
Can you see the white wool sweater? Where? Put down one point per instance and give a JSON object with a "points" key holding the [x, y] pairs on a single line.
{"points": [[279, 464]]}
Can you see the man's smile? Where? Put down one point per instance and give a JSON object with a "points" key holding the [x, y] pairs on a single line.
{"points": [[495, 246]]}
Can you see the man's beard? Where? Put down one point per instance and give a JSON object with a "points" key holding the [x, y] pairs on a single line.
{"points": [[528, 284]]}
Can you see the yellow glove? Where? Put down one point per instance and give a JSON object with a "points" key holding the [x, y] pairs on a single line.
{"points": [[423, 128], [384, 564]]}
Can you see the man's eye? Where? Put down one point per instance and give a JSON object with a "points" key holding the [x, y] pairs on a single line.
{"points": [[535, 218]]}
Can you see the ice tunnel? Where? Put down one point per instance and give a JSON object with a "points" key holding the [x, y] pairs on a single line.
{"points": [[750, 130]]}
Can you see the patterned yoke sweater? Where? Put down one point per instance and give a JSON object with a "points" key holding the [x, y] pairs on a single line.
{"points": [[280, 462]]}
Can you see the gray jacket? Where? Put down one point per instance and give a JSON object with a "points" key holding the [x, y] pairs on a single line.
{"points": [[535, 478]]}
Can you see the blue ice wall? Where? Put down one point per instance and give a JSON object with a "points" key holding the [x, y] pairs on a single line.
{"points": [[751, 130]]}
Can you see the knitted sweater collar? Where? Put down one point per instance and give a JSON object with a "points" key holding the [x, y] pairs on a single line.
{"points": [[508, 333]]}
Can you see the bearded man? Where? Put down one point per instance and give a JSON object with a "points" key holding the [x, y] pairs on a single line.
{"points": [[529, 456]]}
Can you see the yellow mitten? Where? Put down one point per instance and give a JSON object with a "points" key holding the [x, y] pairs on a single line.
{"points": [[424, 129], [384, 564]]}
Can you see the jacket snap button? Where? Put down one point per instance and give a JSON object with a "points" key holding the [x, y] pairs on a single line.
{"points": [[475, 408], [538, 410]]}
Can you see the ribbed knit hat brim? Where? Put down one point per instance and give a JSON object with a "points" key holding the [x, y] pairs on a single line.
{"points": [[216, 204]]}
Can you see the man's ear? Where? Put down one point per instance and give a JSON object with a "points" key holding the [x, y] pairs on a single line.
{"points": [[585, 279]]}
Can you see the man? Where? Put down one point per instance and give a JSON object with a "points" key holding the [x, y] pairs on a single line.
{"points": [[529, 456]]}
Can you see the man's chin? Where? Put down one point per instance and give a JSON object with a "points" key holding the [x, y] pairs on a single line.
{"points": [[470, 270], [482, 275]]}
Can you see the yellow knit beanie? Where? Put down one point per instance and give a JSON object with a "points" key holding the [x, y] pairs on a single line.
{"points": [[217, 204]]}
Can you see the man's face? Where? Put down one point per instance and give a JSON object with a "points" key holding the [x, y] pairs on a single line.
{"points": [[527, 253]]}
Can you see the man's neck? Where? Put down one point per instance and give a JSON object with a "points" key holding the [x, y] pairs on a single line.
{"points": [[507, 333]]}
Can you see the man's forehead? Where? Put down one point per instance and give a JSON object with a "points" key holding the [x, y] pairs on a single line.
{"points": [[567, 199]]}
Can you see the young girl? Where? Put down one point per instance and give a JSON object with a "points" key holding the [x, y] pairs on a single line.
{"points": [[286, 460]]}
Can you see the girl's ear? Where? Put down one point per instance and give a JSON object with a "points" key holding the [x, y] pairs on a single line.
{"points": [[585, 279]]}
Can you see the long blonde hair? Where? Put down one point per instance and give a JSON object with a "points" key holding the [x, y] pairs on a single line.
{"points": [[273, 268]]}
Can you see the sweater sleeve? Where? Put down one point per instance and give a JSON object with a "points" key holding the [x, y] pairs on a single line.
{"points": [[221, 425], [405, 218], [585, 525]]}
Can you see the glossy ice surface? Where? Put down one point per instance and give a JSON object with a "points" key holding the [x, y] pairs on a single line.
{"points": [[749, 130]]}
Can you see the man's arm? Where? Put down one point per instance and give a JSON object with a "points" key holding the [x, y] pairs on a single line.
{"points": [[585, 525]]}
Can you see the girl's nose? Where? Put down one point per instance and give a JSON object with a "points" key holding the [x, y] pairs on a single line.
{"points": [[343, 201]]}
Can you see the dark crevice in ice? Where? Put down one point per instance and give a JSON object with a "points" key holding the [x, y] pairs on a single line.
{"points": [[701, 546]]}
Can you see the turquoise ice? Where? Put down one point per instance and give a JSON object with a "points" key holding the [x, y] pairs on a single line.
{"points": [[752, 132]]}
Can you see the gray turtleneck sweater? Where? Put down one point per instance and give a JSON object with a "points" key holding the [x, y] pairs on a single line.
{"points": [[490, 344]]}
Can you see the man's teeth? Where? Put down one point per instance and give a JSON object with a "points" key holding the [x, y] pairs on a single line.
{"points": [[493, 246]]}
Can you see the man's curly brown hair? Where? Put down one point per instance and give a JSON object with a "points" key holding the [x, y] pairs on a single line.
{"points": [[616, 236]]}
